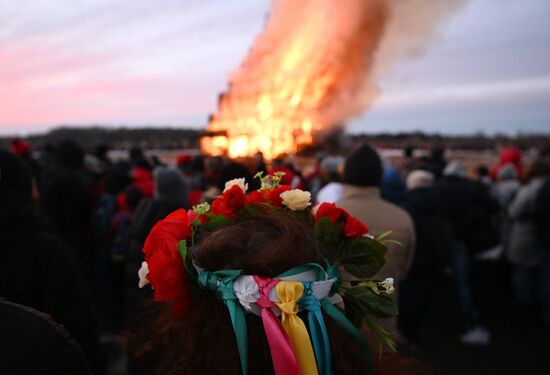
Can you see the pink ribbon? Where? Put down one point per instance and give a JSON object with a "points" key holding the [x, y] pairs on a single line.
{"points": [[282, 355]]}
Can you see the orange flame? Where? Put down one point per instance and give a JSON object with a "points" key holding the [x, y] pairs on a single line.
{"points": [[302, 75], [314, 67]]}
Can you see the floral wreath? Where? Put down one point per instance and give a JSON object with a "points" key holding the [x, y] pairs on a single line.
{"points": [[170, 270]]}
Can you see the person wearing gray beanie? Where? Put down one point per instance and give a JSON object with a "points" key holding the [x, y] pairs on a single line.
{"points": [[170, 186]]}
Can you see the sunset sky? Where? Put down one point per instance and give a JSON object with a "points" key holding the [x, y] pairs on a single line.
{"points": [[142, 62]]}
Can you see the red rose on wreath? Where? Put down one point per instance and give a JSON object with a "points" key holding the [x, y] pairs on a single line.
{"points": [[354, 228], [273, 196], [166, 270], [192, 216], [229, 202], [332, 212], [270, 196]]}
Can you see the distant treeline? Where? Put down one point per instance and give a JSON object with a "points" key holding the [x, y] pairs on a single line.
{"points": [[178, 138], [117, 138]]}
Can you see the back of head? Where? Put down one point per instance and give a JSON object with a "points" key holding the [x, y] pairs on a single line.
{"points": [[37, 344], [507, 172], [170, 186], [69, 154], [15, 174], [330, 167], [363, 168], [418, 179], [539, 168], [204, 341], [234, 170]]}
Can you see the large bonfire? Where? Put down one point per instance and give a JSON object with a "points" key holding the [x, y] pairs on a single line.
{"points": [[309, 70]]}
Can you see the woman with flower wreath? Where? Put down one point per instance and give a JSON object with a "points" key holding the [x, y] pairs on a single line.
{"points": [[251, 285]]}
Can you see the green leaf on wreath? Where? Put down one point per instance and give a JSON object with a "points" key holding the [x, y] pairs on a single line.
{"points": [[187, 261], [216, 222], [328, 232], [365, 301], [363, 257]]}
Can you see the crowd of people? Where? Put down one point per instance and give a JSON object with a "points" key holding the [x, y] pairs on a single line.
{"points": [[73, 223]]}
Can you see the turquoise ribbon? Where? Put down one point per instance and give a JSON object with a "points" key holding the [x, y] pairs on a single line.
{"points": [[344, 322], [317, 329], [339, 317], [222, 283], [304, 268]]}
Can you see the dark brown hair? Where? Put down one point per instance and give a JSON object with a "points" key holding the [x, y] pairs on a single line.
{"points": [[203, 342]]}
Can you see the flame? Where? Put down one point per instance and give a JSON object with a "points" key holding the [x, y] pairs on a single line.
{"points": [[309, 70]]}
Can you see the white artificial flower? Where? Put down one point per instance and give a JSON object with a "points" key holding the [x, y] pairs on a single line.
{"points": [[240, 182], [247, 291], [388, 285], [142, 273], [296, 199], [369, 236]]}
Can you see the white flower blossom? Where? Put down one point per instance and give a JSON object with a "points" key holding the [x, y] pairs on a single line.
{"points": [[369, 236], [240, 182], [296, 199], [247, 291], [142, 273], [388, 285]]}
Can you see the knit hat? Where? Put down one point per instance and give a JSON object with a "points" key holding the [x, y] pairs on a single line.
{"points": [[170, 186]]}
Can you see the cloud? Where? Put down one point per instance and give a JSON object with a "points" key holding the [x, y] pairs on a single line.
{"points": [[136, 62]]}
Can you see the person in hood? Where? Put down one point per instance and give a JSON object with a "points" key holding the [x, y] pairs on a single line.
{"points": [[508, 155]]}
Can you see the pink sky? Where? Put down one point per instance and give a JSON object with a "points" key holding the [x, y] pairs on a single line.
{"points": [[119, 62]]}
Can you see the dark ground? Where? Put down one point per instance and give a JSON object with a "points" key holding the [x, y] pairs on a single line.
{"points": [[518, 346]]}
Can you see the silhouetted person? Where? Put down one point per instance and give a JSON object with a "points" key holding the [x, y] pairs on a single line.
{"points": [[69, 201], [432, 242], [469, 208], [436, 162], [37, 268], [33, 343]]}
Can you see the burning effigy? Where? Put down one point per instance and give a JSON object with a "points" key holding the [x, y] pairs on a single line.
{"points": [[315, 65]]}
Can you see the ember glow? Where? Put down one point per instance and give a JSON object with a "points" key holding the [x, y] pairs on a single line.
{"points": [[310, 70]]}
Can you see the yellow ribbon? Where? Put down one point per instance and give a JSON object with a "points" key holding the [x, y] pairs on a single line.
{"points": [[289, 292]]}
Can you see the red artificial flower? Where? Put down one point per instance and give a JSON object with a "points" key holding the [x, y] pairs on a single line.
{"points": [[192, 216], [274, 195], [332, 212], [255, 197], [167, 274], [229, 202], [270, 196], [354, 228]]}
